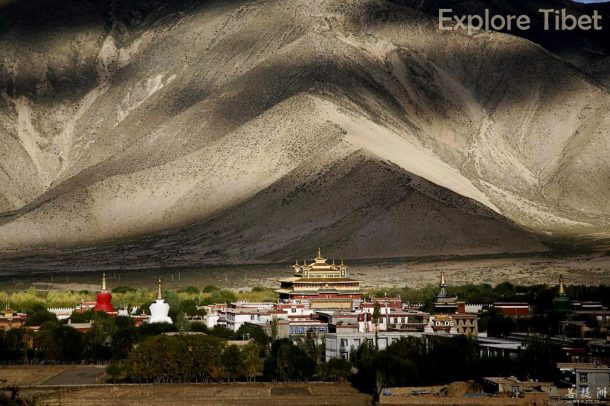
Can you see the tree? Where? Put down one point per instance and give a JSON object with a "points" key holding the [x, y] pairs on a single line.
{"points": [[13, 344], [495, 323], [274, 328], [312, 346], [253, 363], [232, 362], [288, 362], [98, 340], [365, 360], [153, 329], [210, 288], [181, 322], [336, 370], [540, 358], [124, 338], [59, 342], [116, 370], [39, 315], [191, 290], [254, 332], [179, 358], [376, 317], [189, 307], [222, 332]]}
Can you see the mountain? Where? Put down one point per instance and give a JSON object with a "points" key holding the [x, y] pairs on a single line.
{"points": [[158, 132]]}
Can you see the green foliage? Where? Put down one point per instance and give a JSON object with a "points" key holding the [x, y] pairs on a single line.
{"points": [[222, 332], [274, 328], [117, 370], [495, 323], [123, 339], [256, 333], [181, 322], [335, 370], [253, 363], [57, 298], [131, 297], [288, 362], [191, 290], [13, 344], [148, 330], [258, 295], [98, 340], [232, 362], [123, 289], [82, 317], [199, 327], [220, 296], [540, 358], [312, 345], [38, 315], [193, 358], [413, 361], [189, 307], [210, 289], [59, 342]]}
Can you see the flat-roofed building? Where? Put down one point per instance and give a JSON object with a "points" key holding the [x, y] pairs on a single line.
{"points": [[341, 343], [587, 379]]}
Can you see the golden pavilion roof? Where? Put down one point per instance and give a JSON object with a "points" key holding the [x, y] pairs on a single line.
{"points": [[320, 268]]}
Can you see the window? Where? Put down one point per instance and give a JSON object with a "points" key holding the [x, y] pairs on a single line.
{"points": [[294, 310], [252, 317], [402, 320], [343, 342], [582, 377]]}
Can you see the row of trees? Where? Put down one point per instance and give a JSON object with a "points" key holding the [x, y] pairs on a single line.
{"points": [[413, 361], [204, 358], [188, 358], [410, 361]]}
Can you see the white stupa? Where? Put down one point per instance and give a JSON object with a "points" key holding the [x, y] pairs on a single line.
{"points": [[159, 310]]}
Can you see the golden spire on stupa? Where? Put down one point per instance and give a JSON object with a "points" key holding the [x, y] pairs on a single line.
{"points": [[104, 281], [562, 290], [159, 292]]}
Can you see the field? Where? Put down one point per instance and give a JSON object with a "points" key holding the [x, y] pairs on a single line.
{"points": [[80, 385], [414, 273]]}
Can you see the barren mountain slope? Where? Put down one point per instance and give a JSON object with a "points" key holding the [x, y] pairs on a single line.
{"points": [[154, 120]]}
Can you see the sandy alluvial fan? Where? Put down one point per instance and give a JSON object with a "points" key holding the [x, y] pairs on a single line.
{"points": [[228, 131]]}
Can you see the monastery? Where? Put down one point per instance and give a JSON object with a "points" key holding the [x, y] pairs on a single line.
{"points": [[323, 285]]}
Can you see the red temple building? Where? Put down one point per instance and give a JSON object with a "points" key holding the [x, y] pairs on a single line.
{"points": [[323, 285], [103, 302]]}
